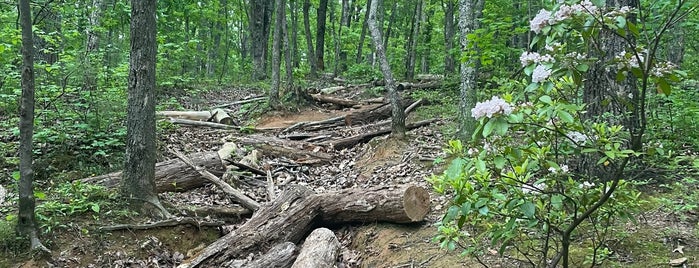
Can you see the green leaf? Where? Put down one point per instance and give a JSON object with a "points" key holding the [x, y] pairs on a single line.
{"points": [[499, 162], [455, 169], [664, 86], [566, 117], [557, 201], [483, 210], [545, 99], [528, 209], [582, 67], [95, 207], [488, 128]]}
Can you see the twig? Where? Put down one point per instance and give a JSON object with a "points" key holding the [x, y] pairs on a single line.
{"points": [[236, 195], [163, 223]]}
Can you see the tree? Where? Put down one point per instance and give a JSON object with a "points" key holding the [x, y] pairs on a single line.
{"points": [[260, 17], [398, 115], [27, 224], [363, 34], [469, 12], [320, 34], [139, 168], [276, 55], [412, 42], [309, 40], [449, 30]]}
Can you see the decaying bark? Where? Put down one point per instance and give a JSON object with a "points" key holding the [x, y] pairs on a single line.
{"points": [[300, 152], [297, 210], [365, 137], [216, 115], [320, 249], [171, 175]]}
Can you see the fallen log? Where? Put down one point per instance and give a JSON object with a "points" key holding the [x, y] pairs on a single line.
{"points": [[297, 210], [216, 116], [236, 195], [164, 223], [179, 121], [172, 175], [320, 249], [337, 101], [299, 151], [220, 116], [241, 102], [373, 114], [365, 137], [281, 255]]}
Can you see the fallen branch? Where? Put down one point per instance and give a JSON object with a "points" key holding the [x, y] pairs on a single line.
{"points": [[188, 122], [164, 223], [333, 100], [362, 138], [241, 102], [236, 195], [320, 249]]}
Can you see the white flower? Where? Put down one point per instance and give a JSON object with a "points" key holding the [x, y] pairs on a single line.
{"points": [[563, 169], [536, 188], [585, 6], [586, 185], [472, 151], [532, 57], [576, 137], [540, 73], [563, 13], [540, 21], [489, 108]]}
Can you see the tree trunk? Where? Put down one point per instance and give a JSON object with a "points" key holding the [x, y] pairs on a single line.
{"points": [[449, 32], [469, 11], [139, 167], [398, 118], [172, 175], [260, 16], [297, 210], [26, 223], [391, 21], [363, 34], [216, 32], [309, 40], [92, 46], [412, 42], [320, 249], [288, 65], [341, 54], [276, 57], [294, 34], [424, 50], [320, 34]]}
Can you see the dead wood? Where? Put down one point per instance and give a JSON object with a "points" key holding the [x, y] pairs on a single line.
{"points": [[191, 115], [330, 90], [225, 213], [373, 114], [171, 175], [246, 167], [334, 100], [164, 223], [196, 123], [236, 195], [365, 137], [295, 212], [280, 256], [299, 151], [320, 249], [429, 77], [241, 102], [220, 116]]}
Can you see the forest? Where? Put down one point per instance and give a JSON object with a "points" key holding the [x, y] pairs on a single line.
{"points": [[349, 133]]}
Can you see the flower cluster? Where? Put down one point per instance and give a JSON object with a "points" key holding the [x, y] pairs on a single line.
{"points": [[532, 57], [564, 12], [663, 68], [576, 137], [540, 73], [490, 107], [535, 188], [586, 185], [563, 169], [623, 11]]}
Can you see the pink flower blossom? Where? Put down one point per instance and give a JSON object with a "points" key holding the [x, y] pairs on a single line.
{"points": [[532, 57], [490, 107], [540, 21], [540, 73]]}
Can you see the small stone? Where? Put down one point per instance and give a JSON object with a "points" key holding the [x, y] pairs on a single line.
{"points": [[678, 262]]}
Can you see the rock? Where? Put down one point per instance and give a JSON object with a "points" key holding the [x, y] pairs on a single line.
{"points": [[678, 262]]}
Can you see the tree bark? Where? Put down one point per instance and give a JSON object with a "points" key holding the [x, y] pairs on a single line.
{"points": [[398, 120], [294, 33], [172, 175], [412, 42], [26, 222], [139, 168], [320, 34], [320, 249], [469, 11], [363, 34], [260, 17], [297, 210], [276, 57], [449, 33], [309, 40]]}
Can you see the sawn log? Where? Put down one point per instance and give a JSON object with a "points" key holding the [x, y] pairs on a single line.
{"points": [[297, 210]]}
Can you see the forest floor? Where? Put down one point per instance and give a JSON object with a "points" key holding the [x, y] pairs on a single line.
{"points": [[651, 242]]}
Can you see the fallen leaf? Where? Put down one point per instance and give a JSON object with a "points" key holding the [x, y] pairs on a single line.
{"points": [[679, 249]]}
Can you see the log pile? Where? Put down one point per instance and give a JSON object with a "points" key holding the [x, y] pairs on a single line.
{"points": [[282, 221]]}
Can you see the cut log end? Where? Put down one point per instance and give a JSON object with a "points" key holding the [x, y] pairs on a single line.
{"points": [[416, 202]]}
